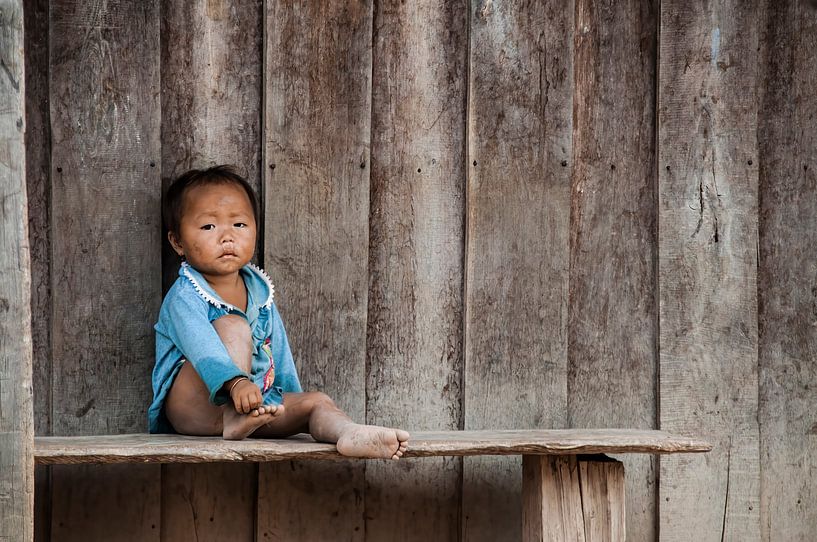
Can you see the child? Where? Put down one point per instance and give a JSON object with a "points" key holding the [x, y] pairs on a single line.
{"points": [[223, 363]]}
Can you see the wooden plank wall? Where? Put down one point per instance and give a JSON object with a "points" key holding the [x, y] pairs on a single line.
{"points": [[477, 214], [16, 406]]}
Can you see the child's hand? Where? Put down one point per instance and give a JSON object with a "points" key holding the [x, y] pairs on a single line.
{"points": [[246, 396]]}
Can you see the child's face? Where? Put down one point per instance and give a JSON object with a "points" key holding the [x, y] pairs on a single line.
{"points": [[217, 229]]}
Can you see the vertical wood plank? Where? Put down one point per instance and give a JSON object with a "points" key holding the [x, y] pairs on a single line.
{"points": [[211, 114], [104, 107], [38, 191], [317, 96], [519, 160], [708, 204], [612, 325], [414, 338], [787, 137], [16, 406]]}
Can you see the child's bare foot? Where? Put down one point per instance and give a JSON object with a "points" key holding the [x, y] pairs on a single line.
{"points": [[372, 441], [239, 426]]}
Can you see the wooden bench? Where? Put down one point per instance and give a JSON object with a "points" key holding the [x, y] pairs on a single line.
{"points": [[570, 490]]}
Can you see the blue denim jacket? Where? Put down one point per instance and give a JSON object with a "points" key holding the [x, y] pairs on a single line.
{"points": [[185, 332]]}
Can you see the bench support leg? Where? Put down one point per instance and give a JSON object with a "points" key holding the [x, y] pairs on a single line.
{"points": [[570, 498]]}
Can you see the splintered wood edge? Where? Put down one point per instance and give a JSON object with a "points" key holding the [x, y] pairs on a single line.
{"points": [[143, 448]]}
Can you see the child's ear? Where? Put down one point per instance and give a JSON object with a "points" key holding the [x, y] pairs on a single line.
{"points": [[175, 243]]}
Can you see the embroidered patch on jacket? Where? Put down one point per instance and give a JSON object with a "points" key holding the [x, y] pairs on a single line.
{"points": [[269, 377]]}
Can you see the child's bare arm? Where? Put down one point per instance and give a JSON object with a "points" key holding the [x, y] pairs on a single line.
{"points": [[246, 396]]}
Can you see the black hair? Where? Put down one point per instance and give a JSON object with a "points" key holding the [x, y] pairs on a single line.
{"points": [[223, 174]]}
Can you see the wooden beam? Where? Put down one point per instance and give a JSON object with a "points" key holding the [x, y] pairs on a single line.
{"points": [[142, 448], [16, 405]]}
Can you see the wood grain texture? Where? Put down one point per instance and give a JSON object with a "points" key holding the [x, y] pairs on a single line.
{"points": [[144, 448], [16, 408], [208, 502], [211, 114], [416, 242], [211, 94], [104, 109], [787, 296], [335, 497], [317, 132], [612, 329], [708, 242], [106, 502], [519, 158]]}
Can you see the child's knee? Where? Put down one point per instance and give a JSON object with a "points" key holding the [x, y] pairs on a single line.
{"points": [[318, 399], [232, 327]]}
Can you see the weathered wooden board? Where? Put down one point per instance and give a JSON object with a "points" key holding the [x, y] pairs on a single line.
{"points": [[16, 406], [612, 329], [708, 242], [211, 114], [144, 448], [211, 94], [787, 136], [414, 338], [317, 130], [105, 193], [519, 163]]}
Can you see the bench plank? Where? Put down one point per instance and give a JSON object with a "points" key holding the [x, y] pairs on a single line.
{"points": [[143, 448]]}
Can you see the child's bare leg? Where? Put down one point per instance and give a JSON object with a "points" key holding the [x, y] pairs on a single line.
{"points": [[316, 413], [188, 407]]}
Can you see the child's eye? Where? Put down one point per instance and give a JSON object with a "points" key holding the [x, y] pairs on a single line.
{"points": [[208, 226], [240, 225]]}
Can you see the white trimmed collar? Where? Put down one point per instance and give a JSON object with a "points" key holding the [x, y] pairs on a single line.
{"points": [[258, 280]]}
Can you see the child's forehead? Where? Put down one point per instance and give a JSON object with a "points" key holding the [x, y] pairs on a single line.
{"points": [[215, 194]]}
